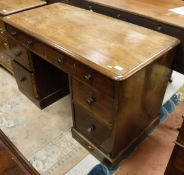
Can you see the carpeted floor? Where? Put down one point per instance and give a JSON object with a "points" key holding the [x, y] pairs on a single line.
{"points": [[45, 140]]}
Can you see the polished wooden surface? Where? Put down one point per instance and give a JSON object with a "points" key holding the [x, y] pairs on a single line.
{"points": [[158, 10], [8, 7], [12, 161], [118, 72], [114, 48]]}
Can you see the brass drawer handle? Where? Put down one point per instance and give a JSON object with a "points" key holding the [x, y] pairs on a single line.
{"points": [[23, 79], [17, 54], [91, 129], [13, 33], [88, 77], [179, 144], [30, 42], [60, 60]]}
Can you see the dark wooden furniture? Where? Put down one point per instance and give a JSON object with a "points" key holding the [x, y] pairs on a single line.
{"points": [[155, 15], [12, 162], [176, 162], [8, 7], [114, 68]]}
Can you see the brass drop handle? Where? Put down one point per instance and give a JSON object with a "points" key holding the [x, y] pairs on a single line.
{"points": [[91, 129], [30, 42], [61, 60], [19, 53], [91, 100], [23, 79], [13, 33], [88, 77]]}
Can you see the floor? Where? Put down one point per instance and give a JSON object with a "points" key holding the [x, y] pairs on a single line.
{"points": [[44, 137]]}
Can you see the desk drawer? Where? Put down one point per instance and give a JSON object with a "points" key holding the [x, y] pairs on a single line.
{"points": [[20, 54], [25, 81], [60, 60], [99, 104], [94, 79], [92, 129], [28, 41]]}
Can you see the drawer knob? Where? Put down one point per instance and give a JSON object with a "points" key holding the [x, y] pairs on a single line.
{"points": [[159, 27], [30, 42], [61, 60], [91, 128], [88, 77], [23, 79], [91, 100], [13, 33], [17, 54]]}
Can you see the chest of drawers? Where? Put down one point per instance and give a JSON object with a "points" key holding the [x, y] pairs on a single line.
{"points": [[8, 7], [113, 67]]}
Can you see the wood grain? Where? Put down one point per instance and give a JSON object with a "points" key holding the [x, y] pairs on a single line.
{"points": [[114, 48]]}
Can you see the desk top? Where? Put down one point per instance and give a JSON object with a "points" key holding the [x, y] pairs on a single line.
{"points": [[8, 7], [159, 10], [115, 48]]}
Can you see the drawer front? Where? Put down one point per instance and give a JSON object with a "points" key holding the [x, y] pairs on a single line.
{"points": [[99, 104], [28, 41], [20, 54], [94, 79], [25, 81], [99, 134], [60, 60]]}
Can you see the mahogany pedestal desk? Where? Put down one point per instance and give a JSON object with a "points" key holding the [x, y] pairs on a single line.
{"points": [[152, 14], [8, 7], [118, 72]]}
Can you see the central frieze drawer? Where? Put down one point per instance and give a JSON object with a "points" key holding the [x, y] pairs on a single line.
{"points": [[92, 129], [60, 60], [99, 104]]}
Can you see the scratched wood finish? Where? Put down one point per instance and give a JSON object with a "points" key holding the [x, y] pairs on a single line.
{"points": [[176, 163], [8, 7], [115, 48], [11, 160]]}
